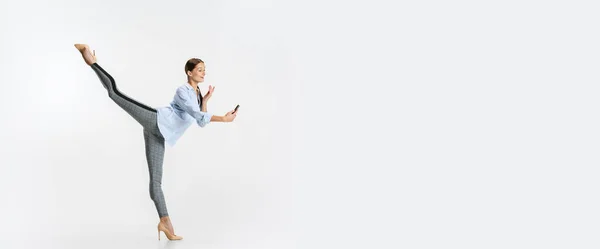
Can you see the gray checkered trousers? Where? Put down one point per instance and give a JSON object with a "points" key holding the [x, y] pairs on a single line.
{"points": [[155, 143]]}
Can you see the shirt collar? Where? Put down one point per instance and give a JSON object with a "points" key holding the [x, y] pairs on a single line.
{"points": [[188, 86]]}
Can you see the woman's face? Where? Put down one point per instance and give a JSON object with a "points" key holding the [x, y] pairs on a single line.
{"points": [[198, 73]]}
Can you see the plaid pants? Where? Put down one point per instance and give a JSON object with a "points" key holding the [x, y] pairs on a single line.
{"points": [[154, 141]]}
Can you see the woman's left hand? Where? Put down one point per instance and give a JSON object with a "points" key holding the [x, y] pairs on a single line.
{"points": [[207, 96]]}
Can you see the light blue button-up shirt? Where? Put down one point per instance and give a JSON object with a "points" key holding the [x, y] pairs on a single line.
{"points": [[174, 119]]}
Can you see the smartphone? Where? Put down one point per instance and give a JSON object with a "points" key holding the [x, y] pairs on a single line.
{"points": [[235, 110]]}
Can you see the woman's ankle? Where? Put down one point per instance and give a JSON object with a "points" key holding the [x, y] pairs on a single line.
{"points": [[165, 220]]}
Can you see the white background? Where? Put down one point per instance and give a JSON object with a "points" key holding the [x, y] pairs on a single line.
{"points": [[437, 124]]}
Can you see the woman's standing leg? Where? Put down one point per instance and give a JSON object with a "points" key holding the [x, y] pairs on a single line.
{"points": [[155, 151]]}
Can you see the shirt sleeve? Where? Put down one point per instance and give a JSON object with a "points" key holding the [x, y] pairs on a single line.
{"points": [[190, 104]]}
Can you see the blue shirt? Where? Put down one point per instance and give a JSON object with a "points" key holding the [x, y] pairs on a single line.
{"points": [[184, 110]]}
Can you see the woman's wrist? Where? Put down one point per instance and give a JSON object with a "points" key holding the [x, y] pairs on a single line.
{"points": [[204, 105], [216, 118]]}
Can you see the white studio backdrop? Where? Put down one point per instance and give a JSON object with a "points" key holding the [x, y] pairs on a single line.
{"points": [[376, 124]]}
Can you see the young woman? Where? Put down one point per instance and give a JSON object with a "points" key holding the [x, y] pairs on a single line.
{"points": [[164, 124]]}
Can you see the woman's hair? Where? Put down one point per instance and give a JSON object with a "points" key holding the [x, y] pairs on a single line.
{"points": [[191, 64]]}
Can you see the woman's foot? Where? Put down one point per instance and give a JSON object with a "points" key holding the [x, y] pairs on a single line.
{"points": [[166, 222], [165, 226], [88, 57], [167, 233]]}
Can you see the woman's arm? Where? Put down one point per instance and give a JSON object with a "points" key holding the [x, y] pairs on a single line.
{"points": [[229, 117], [188, 102], [204, 106], [206, 97]]}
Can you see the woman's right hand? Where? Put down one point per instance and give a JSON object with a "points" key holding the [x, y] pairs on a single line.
{"points": [[230, 116]]}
